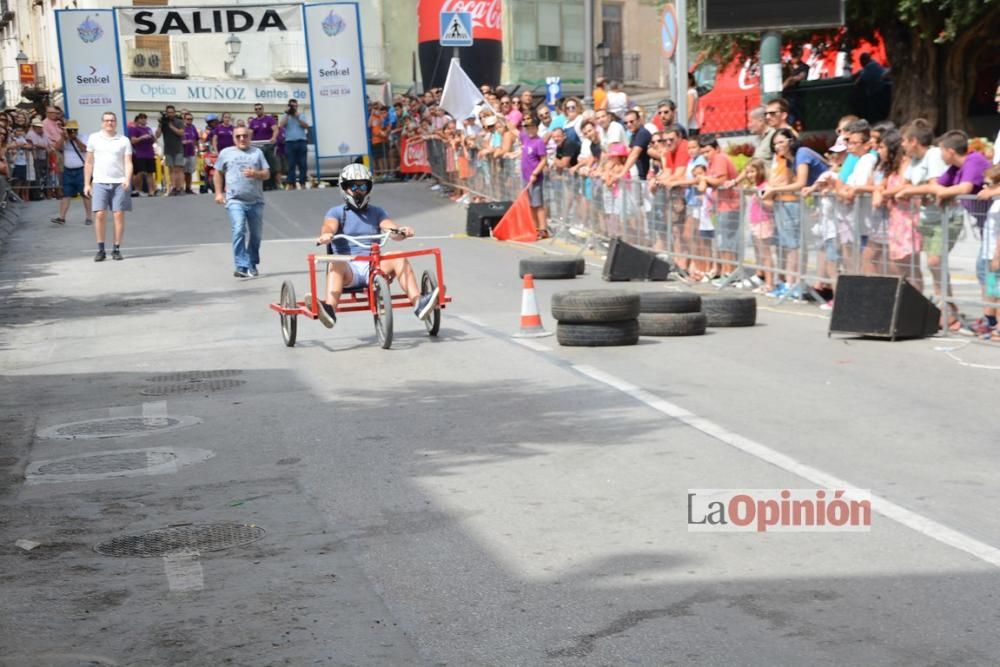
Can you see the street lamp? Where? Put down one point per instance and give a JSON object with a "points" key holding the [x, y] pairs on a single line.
{"points": [[233, 46], [21, 59], [603, 51]]}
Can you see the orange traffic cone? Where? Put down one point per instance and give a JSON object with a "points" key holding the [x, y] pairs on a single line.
{"points": [[531, 321], [517, 223]]}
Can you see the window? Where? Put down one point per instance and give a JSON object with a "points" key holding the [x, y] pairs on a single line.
{"points": [[548, 31], [548, 53]]}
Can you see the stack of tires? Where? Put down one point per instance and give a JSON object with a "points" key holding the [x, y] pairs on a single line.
{"points": [[552, 267], [596, 318], [671, 314]]}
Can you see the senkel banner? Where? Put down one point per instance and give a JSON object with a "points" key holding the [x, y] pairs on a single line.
{"points": [[90, 66], [336, 78], [174, 20]]}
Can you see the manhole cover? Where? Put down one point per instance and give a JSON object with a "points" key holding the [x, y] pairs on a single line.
{"points": [[131, 303], [191, 386], [208, 537], [188, 376], [116, 427], [121, 463]]}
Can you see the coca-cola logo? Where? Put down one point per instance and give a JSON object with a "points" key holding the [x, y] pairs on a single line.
{"points": [[415, 154], [485, 13]]}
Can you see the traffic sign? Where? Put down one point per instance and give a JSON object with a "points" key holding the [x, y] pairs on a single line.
{"points": [[668, 31], [456, 28]]}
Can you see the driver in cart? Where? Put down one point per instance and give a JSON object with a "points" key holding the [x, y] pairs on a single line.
{"points": [[356, 217]]}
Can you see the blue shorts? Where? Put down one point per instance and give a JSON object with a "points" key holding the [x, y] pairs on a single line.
{"points": [[72, 182], [706, 233], [111, 196], [788, 223], [727, 223], [20, 172], [831, 250], [982, 268]]}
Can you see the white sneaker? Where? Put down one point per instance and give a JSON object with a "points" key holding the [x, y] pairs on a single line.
{"points": [[435, 187]]}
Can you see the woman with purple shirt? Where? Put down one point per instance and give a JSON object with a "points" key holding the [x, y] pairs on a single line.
{"points": [[222, 134], [189, 141], [143, 157], [533, 155]]}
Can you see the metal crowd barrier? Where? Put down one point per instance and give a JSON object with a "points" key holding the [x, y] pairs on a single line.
{"points": [[803, 241]]}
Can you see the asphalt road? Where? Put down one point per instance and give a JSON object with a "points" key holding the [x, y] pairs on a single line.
{"points": [[470, 499]]}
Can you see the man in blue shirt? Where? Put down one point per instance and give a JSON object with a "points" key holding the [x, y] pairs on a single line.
{"points": [[356, 217], [245, 169], [296, 146]]}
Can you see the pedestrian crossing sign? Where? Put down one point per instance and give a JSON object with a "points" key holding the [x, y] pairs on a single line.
{"points": [[456, 28]]}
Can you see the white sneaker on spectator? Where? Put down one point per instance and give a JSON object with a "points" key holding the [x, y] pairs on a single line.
{"points": [[436, 186]]}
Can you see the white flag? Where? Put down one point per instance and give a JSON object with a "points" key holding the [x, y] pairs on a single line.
{"points": [[460, 95]]}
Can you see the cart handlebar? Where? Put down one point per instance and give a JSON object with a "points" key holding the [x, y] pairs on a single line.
{"points": [[382, 238]]}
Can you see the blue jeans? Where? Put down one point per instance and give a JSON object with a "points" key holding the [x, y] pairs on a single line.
{"points": [[248, 223], [296, 152]]}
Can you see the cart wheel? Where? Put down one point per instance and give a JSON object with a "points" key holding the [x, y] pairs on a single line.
{"points": [[289, 323], [383, 311], [427, 285]]}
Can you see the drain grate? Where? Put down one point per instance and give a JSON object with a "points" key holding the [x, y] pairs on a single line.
{"points": [[132, 303], [107, 463], [117, 463], [207, 537], [188, 376], [112, 427], [191, 386]]}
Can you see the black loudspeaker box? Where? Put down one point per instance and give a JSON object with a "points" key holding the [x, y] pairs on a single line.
{"points": [[626, 262], [483, 217], [884, 307]]}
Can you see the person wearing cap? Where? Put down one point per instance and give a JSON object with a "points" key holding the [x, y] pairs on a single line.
{"points": [[73, 147], [143, 157], [109, 165], [533, 158], [41, 147]]}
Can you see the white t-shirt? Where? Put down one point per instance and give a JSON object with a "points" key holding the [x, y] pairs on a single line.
{"points": [[615, 134], [110, 154], [70, 159], [617, 103], [863, 169]]}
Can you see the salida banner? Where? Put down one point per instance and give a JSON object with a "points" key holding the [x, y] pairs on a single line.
{"points": [[91, 71], [413, 157], [336, 78], [174, 20]]}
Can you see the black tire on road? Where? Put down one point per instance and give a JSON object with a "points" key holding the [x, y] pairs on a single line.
{"points": [[584, 306], [581, 266], [598, 334], [549, 268], [729, 310], [672, 324], [433, 321], [669, 302], [383, 314], [289, 323]]}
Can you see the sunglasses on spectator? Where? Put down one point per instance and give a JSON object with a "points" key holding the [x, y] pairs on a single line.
{"points": [[571, 106], [241, 136], [771, 113], [660, 141]]}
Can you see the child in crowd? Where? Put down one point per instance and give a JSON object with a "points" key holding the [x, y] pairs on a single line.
{"points": [[20, 146], [761, 219], [834, 228], [613, 174], [988, 262], [702, 200], [905, 240]]}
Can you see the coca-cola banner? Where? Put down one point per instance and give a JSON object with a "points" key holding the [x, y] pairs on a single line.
{"points": [[481, 61], [413, 157], [486, 18]]}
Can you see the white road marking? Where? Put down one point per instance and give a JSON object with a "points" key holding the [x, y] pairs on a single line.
{"points": [[531, 345], [471, 320], [184, 571], [921, 524]]}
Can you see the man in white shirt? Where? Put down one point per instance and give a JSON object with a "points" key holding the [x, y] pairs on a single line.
{"points": [[612, 132], [109, 164]]}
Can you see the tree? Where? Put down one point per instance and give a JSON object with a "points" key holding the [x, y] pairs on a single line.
{"points": [[934, 47]]}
